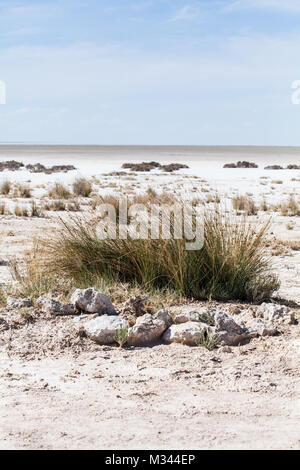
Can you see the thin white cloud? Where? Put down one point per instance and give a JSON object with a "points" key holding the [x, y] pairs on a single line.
{"points": [[92, 73], [32, 11], [187, 12], [140, 6], [289, 6], [21, 32]]}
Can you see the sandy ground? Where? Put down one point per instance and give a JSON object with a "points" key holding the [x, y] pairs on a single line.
{"points": [[165, 397], [57, 392], [60, 391]]}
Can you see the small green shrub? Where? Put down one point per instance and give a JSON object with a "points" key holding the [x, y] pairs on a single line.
{"points": [[207, 318], [121, 336], [3, 298], [207, 340]]}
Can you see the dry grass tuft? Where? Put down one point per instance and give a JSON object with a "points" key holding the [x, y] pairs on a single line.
{"points": [[244, 204], [24, 191], [3, 209], [290, 208], [150, 197], [20, 211], [264, 206], [3, 298], [59, 191], [5, 188], [276, 182], [82, 187], [36, 211]]}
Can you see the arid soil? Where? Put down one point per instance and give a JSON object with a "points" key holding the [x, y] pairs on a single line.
{"points": [[60, 391]]}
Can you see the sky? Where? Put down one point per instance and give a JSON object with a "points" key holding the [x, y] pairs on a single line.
{"points": [[150, 72]]}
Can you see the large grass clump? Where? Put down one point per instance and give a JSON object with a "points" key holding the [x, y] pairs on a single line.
{"points": [[231, 264]]}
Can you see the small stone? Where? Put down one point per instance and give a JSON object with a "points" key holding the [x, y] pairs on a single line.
{"points": [[236, 311], [244, 317], [185, 317], [134, 308], [228, 332], [93, 301], [225, 349], [263, 329], [203, 315], [276, 313], [149, 329], [13, 302], [164, 316], [54, 307], [103, 329]]}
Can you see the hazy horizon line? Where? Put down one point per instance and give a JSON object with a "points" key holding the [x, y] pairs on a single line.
{"points": [[43, 144]]}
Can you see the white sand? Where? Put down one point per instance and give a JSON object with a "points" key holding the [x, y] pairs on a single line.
{"points": [[205, 163]]}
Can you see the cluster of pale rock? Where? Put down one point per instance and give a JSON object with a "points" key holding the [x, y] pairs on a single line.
{"points": [[100, 321]]}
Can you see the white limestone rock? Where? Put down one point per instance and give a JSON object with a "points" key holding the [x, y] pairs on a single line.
{"points": [[276, 313], [54, 307], [185, 317], [15, 303], [228, 332], [164, 316], [149, 328], [103, 329], [188, 333], [92, 300], [263, 329]]}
